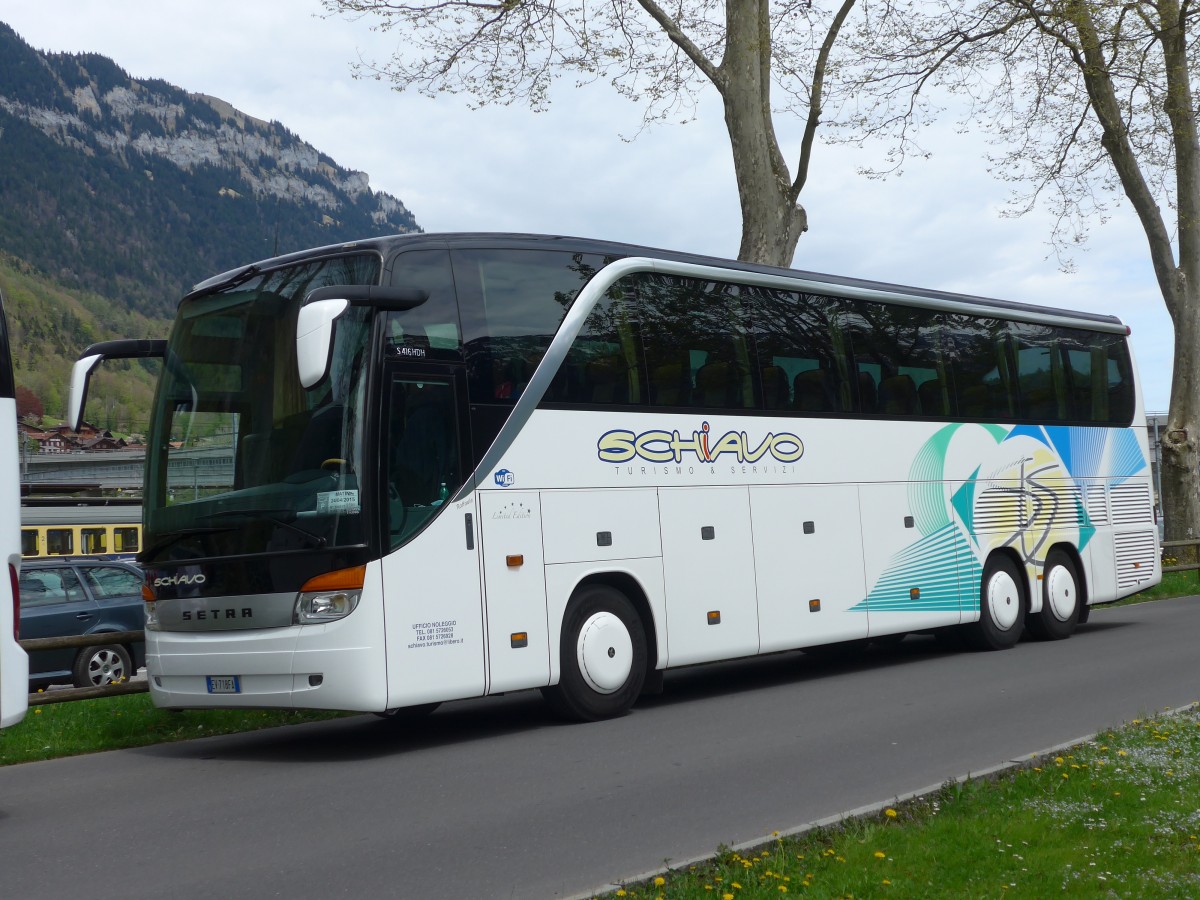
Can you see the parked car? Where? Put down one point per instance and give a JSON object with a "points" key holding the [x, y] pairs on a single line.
{"points": [[81, 596]]}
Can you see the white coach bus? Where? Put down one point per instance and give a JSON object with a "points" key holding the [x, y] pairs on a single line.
{"points": [[446, 466], [14, 662]]}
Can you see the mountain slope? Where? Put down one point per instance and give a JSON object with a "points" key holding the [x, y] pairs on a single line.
{"points": [[136, 190]]}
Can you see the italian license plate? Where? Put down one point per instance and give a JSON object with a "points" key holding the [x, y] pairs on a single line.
{"points": [[224, 684]]}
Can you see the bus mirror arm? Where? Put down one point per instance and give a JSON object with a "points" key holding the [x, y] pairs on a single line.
{"points": [[316, 321], [81, 372]]}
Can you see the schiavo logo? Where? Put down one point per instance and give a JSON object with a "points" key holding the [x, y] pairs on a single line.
{"points": [[658, 446]]}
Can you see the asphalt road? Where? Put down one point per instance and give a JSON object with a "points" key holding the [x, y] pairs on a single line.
{"points": [[493, 798]]}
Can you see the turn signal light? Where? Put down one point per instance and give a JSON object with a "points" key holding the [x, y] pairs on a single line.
{"points": [[329, 597]]}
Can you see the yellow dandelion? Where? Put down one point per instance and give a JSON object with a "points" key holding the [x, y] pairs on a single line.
{"points": [[783, 889], [885, 881], [621, 892], [727, 896], [890, 813], [1122, 753], [879, 854], [38, 711], [659, 881], [735, 885], [1058, 760]]}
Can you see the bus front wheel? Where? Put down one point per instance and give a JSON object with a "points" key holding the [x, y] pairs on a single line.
{"points": [[1060, 599], [602, 656], [1001, 606]]}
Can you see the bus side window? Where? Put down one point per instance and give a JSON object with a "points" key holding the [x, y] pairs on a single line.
{"points": [[511, 303], [432, 329]]}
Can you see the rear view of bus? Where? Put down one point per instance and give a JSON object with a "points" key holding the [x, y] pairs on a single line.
{"points": [[14, 664]]}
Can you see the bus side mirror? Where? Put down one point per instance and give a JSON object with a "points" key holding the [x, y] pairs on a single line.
{"points": [[81, 372], [314, 338], [316, 320]]}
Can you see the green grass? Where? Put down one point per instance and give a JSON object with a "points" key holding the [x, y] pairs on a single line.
{"points": [[131, 720], [1115, 817], [1173, 584]]}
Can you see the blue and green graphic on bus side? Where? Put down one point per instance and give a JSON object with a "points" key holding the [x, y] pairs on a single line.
{"points": [[1038, 476]]}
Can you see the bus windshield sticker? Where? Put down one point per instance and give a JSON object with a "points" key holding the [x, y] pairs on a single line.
{"points": [[337, 502]]}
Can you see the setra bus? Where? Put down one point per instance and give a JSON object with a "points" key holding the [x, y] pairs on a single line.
{"points": [[14, 662], [446, 466]]}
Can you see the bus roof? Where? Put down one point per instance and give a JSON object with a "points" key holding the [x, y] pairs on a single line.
{"points": [[838, 285]]}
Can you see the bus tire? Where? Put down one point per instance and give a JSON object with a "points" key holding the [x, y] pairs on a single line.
{"points": [[1001, 606], [98, 666], [602, 656], [1061, 597]]}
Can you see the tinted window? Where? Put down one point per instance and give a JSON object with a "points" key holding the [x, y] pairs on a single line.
{"points": [[977, 361], [695, 338], [511, 303], [677, 342], [431, 329], [604, 365], [897, 360]]}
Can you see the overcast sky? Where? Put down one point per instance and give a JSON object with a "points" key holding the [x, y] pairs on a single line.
{"points": [[568, 171]]}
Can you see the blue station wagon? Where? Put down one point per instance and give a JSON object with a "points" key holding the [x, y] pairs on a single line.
{"points": [[76, 597]]}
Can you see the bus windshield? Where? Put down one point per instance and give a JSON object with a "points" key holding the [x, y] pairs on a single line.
{"points": [[242, 458]]}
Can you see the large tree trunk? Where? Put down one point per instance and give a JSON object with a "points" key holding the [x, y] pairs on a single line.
{"points": [[772, 220], [1181, 439]]}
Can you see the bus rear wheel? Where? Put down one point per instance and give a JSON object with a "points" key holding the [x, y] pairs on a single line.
{"points": [[1060, 599], [1001, 606], [602, 656]]}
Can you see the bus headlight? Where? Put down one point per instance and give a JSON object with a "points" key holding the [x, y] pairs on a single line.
{"points": [[313, 607], [330, 596]]}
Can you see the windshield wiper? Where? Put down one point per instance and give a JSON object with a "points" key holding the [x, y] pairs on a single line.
{"points": [[269, 515], [153, 550]]}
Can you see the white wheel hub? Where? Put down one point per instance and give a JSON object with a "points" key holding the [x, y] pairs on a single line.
{"points": [[1004, 600], [605, 652], [1061, 593]]}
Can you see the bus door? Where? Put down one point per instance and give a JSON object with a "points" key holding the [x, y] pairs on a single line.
{"points": [[432, 598], [515, 590]]}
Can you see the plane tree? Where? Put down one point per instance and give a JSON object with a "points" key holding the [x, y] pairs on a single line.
{"points": [[1090, 105], [659, 54]]}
